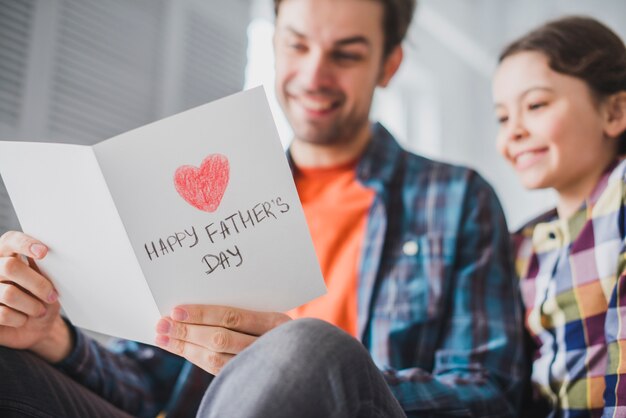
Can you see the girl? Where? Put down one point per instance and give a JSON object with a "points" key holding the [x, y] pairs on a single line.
{"points": [[560, 99]]}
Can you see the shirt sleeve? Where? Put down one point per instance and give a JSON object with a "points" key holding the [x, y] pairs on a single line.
{"points": [[134, 377], [615, 334], [479, 362]]}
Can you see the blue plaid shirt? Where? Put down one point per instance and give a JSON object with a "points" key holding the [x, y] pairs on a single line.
{"points": [[438, 304]]}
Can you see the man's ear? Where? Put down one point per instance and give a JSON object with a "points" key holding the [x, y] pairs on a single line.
{"points": [[615, 114], [390, 66]]}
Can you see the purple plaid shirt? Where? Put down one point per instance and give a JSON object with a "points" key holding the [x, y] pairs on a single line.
{"points": [[438, 304], [572, 272]]}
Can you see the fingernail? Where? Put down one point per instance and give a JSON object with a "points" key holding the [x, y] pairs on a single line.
{"points": [[179, 314], [38, 250], [162, 340], [163, 326], [53, 296]]}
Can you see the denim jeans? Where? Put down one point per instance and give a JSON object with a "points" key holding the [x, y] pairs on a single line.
{"points": [[305, 368]]}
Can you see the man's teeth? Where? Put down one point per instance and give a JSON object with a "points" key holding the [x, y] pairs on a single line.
{"points": [[316, 104]]}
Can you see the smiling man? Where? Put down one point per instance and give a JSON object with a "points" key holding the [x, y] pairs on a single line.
{"points": [[415, 255], [414, 252], [327, 69]]}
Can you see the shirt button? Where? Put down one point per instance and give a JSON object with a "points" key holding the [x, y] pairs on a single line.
{"points": [[410, 248]]}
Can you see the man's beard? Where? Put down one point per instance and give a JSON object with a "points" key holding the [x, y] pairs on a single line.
{"points": [[338, 132]]}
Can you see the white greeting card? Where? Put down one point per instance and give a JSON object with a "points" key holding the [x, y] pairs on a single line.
{"points": [[199, 208]]}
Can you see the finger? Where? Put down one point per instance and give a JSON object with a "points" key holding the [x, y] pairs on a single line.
{"points": [[33, 265], [13, 270], [219, 340], [249, 322], [13, 243], [11, 318], [18, 300], [206, 359]]}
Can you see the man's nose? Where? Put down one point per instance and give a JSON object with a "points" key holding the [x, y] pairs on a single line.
{"points": [[316, 72]]}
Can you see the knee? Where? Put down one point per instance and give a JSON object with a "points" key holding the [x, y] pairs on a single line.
{"points": [[313, 340], [309, 327], [307, 331], [12, 362], [15, 368]]}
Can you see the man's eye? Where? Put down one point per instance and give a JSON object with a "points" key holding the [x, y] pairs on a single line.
{"points": [[346, 56]]}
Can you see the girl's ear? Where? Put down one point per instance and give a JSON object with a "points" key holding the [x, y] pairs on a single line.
{"points": [[616, 114]]}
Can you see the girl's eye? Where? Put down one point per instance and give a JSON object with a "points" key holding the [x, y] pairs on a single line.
{"points": [[535, 106], [502, 119], [297, 47]]}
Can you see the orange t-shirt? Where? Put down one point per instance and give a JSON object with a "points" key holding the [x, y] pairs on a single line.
{"points": [[336, 206]]}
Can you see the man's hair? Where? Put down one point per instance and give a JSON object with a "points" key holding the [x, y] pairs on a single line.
{"points": [[397, 18]]}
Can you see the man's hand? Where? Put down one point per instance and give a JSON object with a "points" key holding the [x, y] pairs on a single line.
{"points": [[209, 336], [29, 310]]}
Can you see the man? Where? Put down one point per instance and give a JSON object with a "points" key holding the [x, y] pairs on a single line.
{"points": [[415, 254]]}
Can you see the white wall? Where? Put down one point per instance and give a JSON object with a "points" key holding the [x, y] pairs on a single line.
{"points": [[82, 71], [459, 53], [162, 56], [439, 104]]}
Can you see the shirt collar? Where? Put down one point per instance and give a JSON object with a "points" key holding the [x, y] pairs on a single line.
{"points": [[551, 232], [603, 182], [379, 161], [377, 164]]}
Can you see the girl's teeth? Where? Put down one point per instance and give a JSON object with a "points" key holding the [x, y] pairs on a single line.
{"points": [[525, 157]]}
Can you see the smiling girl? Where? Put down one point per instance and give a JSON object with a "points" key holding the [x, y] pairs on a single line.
{"points": [[560, 99]]}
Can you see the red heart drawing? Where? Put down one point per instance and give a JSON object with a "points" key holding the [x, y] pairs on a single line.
{"points": [[203, 187]]}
